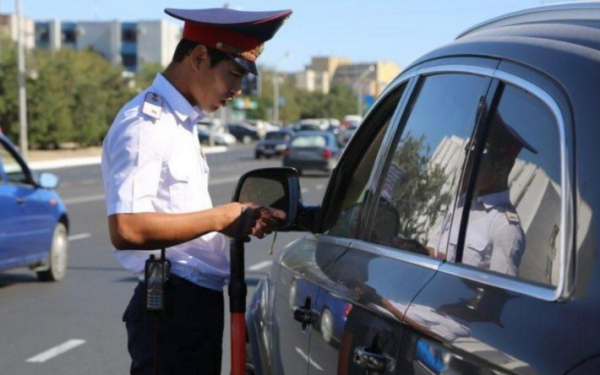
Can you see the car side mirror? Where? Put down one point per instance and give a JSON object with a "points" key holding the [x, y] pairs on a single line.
{"points": [[48, 180], [273, 187]]}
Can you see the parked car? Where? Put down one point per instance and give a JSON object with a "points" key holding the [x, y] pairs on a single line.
{"points": [[348, 131], [459, 223], [243, 132], [312, 150], [274, 143], [34, 223], [220, 138], [351, 120]]}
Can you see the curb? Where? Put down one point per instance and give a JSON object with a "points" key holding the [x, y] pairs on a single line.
{"points": [[94, 160]]}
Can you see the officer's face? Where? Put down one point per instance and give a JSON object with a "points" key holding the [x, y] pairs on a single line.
{"points": [[213, 87]]}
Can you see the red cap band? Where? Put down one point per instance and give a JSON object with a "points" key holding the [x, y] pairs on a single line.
{"points": [[222, 38]]}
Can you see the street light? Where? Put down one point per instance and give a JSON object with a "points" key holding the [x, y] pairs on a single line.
{"points": [[21, 80], [359, 87], [276, 89]]}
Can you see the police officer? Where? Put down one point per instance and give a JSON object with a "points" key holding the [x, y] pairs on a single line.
{"points": [[495, 239], [156, 186]]}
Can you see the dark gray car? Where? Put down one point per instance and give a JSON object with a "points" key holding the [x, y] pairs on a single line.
{"points": [[457, 234], [312, 150]]}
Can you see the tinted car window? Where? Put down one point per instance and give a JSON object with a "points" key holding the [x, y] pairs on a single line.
{"points": [[422, 179], [277, 136], [11, 166], [355, 191], [514, 220]]}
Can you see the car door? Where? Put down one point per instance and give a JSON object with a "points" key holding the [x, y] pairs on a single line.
{"points": [[30, 221], [368, 289], [492, 307], [302, 265]]}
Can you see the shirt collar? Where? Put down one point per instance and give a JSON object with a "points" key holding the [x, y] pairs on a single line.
{"points": [[494, 199], [180, 106]]}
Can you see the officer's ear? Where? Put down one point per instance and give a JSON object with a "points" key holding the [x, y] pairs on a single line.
{"points": [[198, 55]]}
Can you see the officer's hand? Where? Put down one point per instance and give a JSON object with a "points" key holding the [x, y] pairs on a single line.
{"points": [[268, 219], [232, 219]]}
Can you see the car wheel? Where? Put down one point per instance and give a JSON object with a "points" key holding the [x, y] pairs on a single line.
{"points": [[326, 325], [246, 139], [58, 256]]}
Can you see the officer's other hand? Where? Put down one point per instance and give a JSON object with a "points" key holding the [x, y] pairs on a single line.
{"points": [[268, 219]]}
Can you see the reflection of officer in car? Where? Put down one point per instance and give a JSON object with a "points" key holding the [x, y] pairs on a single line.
{"points": [[494, 238]]}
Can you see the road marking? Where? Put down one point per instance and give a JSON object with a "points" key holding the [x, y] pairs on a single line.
{"points": [[56, 351], [80, 236], [304, 190], [260, 266], [320, 187], [91, 198], [313, 363]]}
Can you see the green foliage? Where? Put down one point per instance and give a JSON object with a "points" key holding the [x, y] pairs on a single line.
{"points": [[72, 96], [301, 104], [418, 197]]}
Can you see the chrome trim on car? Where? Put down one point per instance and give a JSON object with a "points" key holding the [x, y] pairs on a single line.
{"points": [[523, 287], [337, 241], [499, 281], [403, 256]]}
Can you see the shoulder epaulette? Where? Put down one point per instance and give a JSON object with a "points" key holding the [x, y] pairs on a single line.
{"points": [[153, 105]]}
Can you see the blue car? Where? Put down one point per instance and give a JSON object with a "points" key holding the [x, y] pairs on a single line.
{"points": [[33, 219]]}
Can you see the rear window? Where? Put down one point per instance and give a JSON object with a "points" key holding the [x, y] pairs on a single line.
{"points": [[310, 141], [277, 136]]}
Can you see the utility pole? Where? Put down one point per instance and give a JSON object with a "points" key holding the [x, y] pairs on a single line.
{"points": [[21, 80], [359, 88], [276, 89]]}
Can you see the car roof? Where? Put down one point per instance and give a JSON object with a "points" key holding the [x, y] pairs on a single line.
{"points": [[533, 37], [550, 40], [309, 133]]}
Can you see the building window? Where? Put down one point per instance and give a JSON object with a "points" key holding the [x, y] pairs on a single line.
{"points": [[69, 36], [129, 60], [129, 35]]}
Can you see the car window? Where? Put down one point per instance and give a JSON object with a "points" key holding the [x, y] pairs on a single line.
{"points": [[11, 166], [277, 136], [422, 179], [310, 141], [515, 213], [353, 194]]}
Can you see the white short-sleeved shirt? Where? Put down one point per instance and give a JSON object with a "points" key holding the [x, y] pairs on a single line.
{"points": [[494, 240], [155, 165]]}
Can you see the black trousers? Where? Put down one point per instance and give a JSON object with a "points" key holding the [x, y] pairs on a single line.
{"points": [[187, 340]]}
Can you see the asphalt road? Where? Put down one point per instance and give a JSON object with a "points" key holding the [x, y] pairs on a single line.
{"points": [[79, 319]]}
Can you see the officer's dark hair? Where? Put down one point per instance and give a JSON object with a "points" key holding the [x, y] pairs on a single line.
{"points": [[185, 47]]}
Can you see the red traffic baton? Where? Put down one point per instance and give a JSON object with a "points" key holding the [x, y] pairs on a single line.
{"points": [[237, 299]]}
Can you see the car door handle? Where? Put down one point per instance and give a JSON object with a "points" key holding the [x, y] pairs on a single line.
{"points": [[305, 316], [20, 200], [369, 360]]}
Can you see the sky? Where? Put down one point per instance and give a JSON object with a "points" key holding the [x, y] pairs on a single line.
{"points": [[362, 30]]}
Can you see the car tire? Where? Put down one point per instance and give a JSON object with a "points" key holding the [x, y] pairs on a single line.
{"points": [[58, 256], [246, 139], [326, 326]]}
